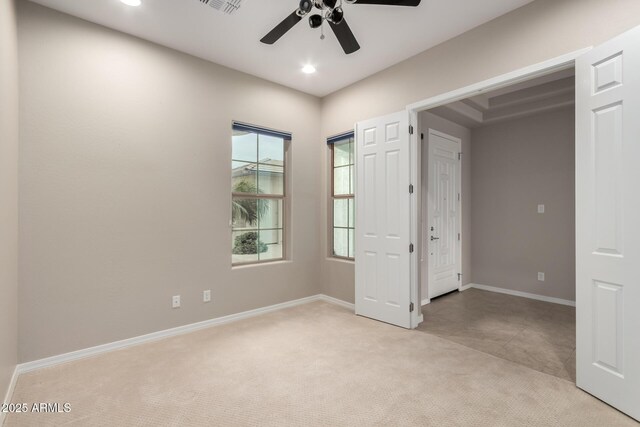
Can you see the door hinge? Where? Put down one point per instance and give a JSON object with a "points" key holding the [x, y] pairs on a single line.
{"points": [[459, 197], [459, 276], [410, 188], [410, 129], [458, 236], [411, 308], [411, 248], [459, 156], [422, 136]]}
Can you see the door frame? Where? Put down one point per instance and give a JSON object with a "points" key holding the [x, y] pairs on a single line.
{"points": [[527, 73], [425, 218]]}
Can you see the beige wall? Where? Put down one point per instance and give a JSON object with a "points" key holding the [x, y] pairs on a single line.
{"points": [[428, 121], [125, 186], [516, 166], [125, 170], [534, 33], [8, 194]]}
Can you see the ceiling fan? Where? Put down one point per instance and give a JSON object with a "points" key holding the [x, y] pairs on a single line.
{"points": [[330, 11]]}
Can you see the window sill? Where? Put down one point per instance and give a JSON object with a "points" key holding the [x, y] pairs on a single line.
{"points": [[341, 260], [261, 264]]}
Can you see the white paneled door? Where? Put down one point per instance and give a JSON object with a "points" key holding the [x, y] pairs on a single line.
{"points": [[442, 236], [608, 222], [382, 200]]}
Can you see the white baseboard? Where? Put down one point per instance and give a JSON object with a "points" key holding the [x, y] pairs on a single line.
{"points": [[336, 301], [523, 294], [117, 345], [9, 394], [461, 289]]}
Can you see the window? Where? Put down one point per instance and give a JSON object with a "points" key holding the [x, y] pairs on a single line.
{"points": [[258, 194], [342, 190]]}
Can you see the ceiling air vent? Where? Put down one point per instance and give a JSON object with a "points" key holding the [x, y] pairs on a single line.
{"points": [[226, 6]]}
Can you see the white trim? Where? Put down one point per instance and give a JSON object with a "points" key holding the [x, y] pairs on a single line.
{"points": [[508, 79], [9, 394], [537, 70], [117, 345], [523, 294], [336, 301], [465, 287], [425, 302], [415, 148]]}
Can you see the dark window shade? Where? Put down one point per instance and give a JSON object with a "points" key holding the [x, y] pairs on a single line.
{"points": [[242, 127], [339, 138]]}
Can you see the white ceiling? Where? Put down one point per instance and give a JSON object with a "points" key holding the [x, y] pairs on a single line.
{"points": [[387, 34], [534, 96]]}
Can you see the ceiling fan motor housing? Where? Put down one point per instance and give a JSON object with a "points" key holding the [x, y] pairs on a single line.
{"points": [[325, 4], [305, 6]]}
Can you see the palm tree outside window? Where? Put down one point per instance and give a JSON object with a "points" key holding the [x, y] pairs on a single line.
{"points": [[258, 194]]}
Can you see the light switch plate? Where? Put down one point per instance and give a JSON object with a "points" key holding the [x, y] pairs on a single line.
{"points": [[541, 277], [540, 209]]}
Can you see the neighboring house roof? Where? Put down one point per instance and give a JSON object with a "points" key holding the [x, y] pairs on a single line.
{"points": [[264, 166]]}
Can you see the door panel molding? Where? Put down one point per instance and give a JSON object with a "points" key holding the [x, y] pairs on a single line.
{"points": [[608, 222], [444, 213], [383, 206]]}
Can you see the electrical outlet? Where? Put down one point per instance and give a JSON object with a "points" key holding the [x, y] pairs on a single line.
{"points": [[175, 301], [540, 209], [541, 277], [206, 296]]}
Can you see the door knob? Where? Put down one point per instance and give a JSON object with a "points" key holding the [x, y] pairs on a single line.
{"points": [[434, 238]]}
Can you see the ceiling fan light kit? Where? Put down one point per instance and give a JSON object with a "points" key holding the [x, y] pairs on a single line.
{"points": [[315, 21], [332, 12]]}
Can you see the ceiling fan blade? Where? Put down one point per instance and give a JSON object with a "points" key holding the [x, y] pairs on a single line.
{"points": [[390, 2], [345, 37], [281, 29]]}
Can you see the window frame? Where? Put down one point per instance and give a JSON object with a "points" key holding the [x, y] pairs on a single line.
{"points": [[286, 137], [349, 138]]}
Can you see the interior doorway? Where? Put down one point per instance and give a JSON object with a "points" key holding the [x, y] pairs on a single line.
{"points": [[503, 164], [607, 99], [498, 191]]}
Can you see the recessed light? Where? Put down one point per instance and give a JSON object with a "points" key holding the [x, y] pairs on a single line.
{"points": [[308, 69], [132, 2]]}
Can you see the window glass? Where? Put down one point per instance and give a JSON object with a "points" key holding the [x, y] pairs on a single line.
{"points": [[258, 197], [341, 181], [342, 154], [245, 147], [271, 150], [270, 179], [341, 242], [342, 192], [341, 213]]}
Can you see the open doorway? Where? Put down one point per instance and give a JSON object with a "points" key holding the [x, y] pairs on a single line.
{"points": [[497, 257], [607, 99]]}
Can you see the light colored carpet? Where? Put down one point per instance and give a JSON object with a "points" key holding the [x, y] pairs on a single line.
{"points": [[312, 365]]}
